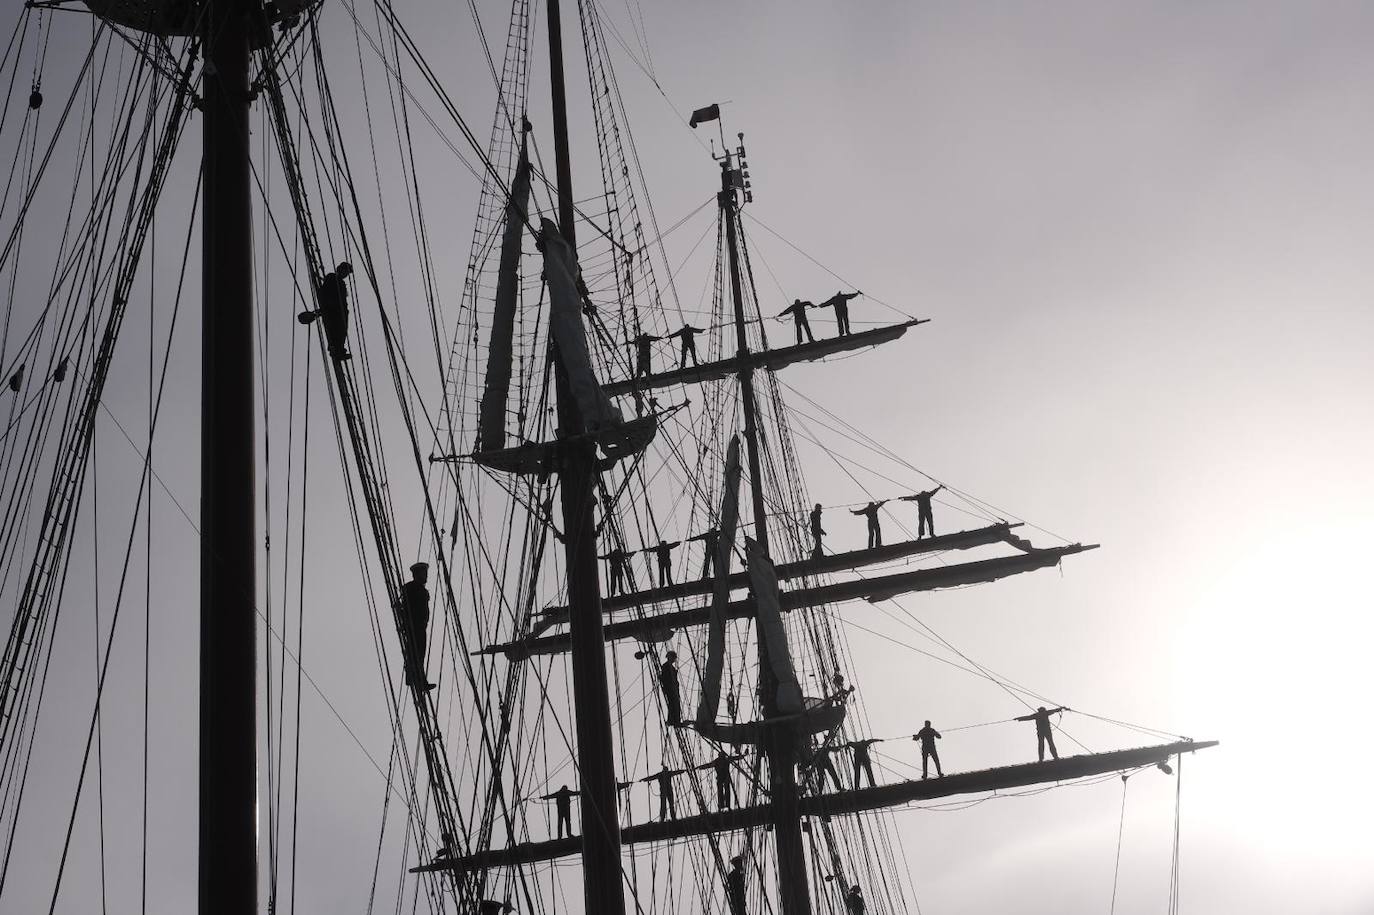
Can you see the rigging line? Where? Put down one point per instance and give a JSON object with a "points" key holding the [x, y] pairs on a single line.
{"points": [[1174, 872], [789, 244], [654, 80], [300, 625], [1120, 831], [898, 459], [52, 145], [295, 659], [148, 554]]}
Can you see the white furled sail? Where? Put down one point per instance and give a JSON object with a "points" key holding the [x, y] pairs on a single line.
{"points": [[491, 428], [565, 321], [720, 595], [764, 579]]}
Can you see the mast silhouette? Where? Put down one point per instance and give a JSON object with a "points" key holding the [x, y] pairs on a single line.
{"points": [[228, 871], [794, 895], [601, 867]]}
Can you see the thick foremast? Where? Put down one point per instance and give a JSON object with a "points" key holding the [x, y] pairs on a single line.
{"points": [[603, 888]]}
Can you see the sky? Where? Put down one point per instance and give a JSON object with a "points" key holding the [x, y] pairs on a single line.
{"points": [[1140, 231]]}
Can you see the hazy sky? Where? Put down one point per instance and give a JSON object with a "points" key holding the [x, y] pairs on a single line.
{"points": [[1141, 231]]}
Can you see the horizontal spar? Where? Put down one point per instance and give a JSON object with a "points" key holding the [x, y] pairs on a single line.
{"points": [[879, 587], [772, 359], [834, 562], [843, 802]]}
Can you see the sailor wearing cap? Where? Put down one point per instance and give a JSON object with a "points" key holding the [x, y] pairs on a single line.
{"points": [[415, 617]]}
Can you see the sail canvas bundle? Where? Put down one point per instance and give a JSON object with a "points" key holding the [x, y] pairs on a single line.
{"points": [[565, 321], [764, 580], [720, 595], [491, 430]]}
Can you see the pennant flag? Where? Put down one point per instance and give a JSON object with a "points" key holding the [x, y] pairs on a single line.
{"points": [[702, 115]]}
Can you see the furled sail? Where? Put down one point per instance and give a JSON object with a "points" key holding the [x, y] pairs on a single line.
{"points": [[764, 579], [720, 595], [491, 428], [565, 321]]}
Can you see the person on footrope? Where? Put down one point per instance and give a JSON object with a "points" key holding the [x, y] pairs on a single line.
{"points": [[688, 333], [711, 541], [562, 801], [666, 806], [875, 531], [927, 736], [817, 532], [667, 681], [798, 312], [863, 762], [1043, 734], [925, 522], [840, 302], [725, 789], [618, 567], [664, 552], [644, 354]]}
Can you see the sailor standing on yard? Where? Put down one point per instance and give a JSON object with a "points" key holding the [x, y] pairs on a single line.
{"points": [[644, 353], [798, 312], [1043, 734], [840, 302], [689, 343], [618, 565], [927, 736], [724, 788], [711, 540], [863, 762], [875, 531], [821, 764], [925, 522], [817, 532], [667, 681], [664, 551], [562, 801], [666, 805], [415, 618], [333, 311]]}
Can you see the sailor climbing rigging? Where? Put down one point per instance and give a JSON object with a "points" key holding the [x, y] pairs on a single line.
{"points": [[415, 616], [672, 696], [333, 311], [734, 885]]}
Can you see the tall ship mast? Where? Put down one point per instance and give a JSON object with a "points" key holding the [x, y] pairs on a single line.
{"points": [[607, 617]]}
